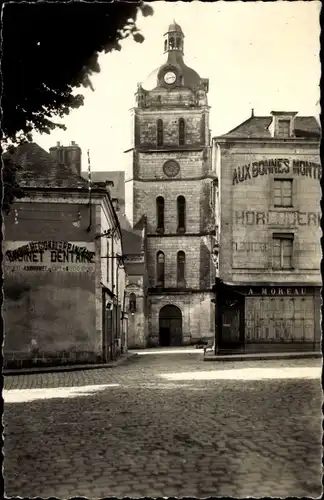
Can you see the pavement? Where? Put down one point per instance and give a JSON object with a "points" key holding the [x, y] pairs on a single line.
{"points": [[210, 356], [65, 368], [166, 425]]}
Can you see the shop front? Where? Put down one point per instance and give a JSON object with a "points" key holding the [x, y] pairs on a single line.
{"points": [[269, 318]]}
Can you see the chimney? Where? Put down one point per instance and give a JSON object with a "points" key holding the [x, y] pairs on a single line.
{"points": [[70, 156], [252, 112]]}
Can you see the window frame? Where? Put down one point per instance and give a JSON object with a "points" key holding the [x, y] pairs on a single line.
{"points": [[107, 260], [160, 269], [281, 238], [181, 279], [181, 228], [280, 182], [159, 132], [160, 214], [132, 302], [182, 132], [280, 122]]}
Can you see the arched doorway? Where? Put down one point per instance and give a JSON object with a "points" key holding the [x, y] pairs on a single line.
{"points": [[170, 326]]}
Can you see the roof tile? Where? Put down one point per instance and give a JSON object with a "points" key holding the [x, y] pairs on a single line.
{"points": [[258, 127], [40, 170]]}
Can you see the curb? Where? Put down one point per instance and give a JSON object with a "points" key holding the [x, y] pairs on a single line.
{"points": [[258, 357], [67, 368]]}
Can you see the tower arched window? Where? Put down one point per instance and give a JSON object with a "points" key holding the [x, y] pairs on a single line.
{"points": [[181, 263], [159, 135], [160, 214], [178, 42], [171, 43], [132, 303], [182, 132], [181, 209], [165, 45], [160, 269]]}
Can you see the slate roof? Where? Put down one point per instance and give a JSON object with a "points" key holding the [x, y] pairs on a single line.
{"points": [[40, 170], [258, 126], [132, 238], [118, 178], [135, 268]]}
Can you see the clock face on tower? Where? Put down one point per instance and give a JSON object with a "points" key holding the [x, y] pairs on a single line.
{"points": [[170, 77]]}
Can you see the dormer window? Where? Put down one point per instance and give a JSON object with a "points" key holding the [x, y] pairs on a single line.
{"points": [[283, 124], [284, 128]]}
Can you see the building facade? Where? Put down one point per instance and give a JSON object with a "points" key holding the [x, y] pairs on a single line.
{"points": [[267, 202], [64, 283], [168, 180]]}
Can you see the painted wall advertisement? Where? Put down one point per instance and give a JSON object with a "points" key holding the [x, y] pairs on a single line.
{"points": [[49, 256]]}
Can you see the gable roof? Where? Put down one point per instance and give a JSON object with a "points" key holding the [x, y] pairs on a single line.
{"points": [[118, 178], [40, 170], [258, 127]]}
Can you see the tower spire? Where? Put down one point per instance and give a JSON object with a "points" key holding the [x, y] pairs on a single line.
{"points": [[173, 38]]}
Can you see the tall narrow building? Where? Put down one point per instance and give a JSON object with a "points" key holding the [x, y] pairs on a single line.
{"points": [[168, 183]]}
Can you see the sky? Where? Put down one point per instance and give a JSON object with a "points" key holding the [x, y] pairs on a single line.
{"points": [[261, 55]]}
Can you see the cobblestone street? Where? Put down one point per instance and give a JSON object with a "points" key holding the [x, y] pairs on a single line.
{"points": [[166, 425]]}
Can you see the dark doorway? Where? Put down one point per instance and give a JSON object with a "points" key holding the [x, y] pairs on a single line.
{"points": [[170, 326], [107, 324], [232, 321]]}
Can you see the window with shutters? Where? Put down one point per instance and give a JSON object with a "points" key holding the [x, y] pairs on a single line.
{"points": [[182, 132], [181, 209], [160, 214], [159, 138], [181, 262], [282, 192], [160, 269], [282, 250]]}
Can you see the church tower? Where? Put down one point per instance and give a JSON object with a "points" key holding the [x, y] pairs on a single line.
{"points": [[168, 184]]}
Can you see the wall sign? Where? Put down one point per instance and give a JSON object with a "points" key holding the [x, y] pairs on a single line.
{"points": [[277, 166], [277, 218], [49, 256], [276, 291], [244, 246]]}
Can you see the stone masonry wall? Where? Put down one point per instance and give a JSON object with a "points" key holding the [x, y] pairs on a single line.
{"points": [[197, 316]]}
